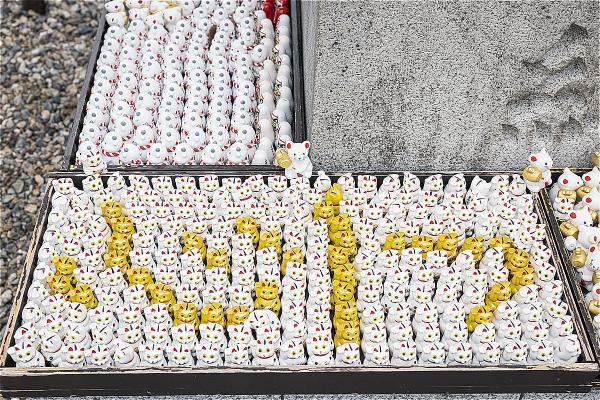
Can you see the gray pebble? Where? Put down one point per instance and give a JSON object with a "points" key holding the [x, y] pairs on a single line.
{"points": [[13, 279], [18, 186], [45, 59], [6, 296]]}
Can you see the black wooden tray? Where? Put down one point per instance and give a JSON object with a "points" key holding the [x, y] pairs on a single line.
{"points": [[277, 380], [299, 124]]}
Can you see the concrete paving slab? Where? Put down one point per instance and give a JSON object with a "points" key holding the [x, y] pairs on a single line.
{"points": [[453, 85]]}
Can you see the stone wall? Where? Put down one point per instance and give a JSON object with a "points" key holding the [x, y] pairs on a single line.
{"points": [[450, 85], [309, 15]]}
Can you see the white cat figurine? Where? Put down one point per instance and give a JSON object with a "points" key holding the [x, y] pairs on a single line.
{"points": [[301, 165]]}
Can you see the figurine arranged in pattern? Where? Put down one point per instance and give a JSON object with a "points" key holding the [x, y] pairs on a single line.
{"points": [[206, 271], [190, 82]]}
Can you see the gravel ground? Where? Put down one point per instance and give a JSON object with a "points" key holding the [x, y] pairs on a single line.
{"points": [[42, 70]]}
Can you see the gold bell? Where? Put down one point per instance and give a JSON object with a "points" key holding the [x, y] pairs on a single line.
{"points": [[578, 258], [282, 158], [567, 194], [596, 158], [532, 174], [569, 229], [594, 214], [594, 307], [596, 277], [582, 191]]}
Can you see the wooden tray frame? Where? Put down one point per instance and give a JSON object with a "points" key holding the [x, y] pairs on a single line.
{"points": [[290, 380]]}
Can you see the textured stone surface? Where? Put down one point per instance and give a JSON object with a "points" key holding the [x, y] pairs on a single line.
{"points": [[310, 15], [479, 396], [594, 395], [186, 397], [453, 85]]}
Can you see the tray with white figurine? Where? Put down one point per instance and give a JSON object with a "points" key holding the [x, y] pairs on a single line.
{"points": [[193, 84], [573, 202], [373, 282]]}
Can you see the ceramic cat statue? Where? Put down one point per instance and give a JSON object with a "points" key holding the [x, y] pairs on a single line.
{"points": [[537, 175], [294, 158]]}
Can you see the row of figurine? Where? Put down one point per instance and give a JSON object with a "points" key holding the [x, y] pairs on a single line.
{"points": [[576, 203], [132, 347], [213, 86], [480, 209], [167, 12]]}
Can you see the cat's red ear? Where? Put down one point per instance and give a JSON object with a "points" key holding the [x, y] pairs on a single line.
{"points": [[288, 145], [307, 145]]}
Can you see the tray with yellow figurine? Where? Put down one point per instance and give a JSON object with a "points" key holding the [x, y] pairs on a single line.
{"points": [[387, 282]]}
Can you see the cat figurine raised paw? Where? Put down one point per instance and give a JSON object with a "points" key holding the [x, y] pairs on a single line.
{"points": [[297, 163]]}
